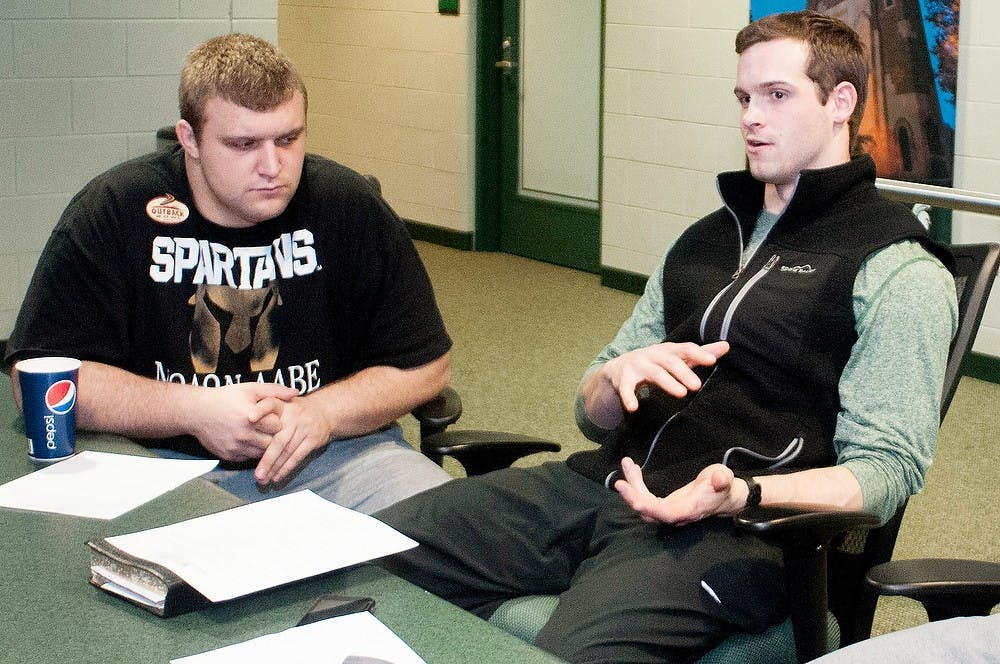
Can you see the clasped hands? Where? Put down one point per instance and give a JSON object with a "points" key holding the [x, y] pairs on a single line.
{"points": [[669, 366], [263, 421]]}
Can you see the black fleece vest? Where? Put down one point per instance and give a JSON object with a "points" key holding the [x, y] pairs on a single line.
{"points": [[787, 315]]}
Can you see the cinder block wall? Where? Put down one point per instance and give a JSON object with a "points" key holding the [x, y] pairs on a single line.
{"points": [[391, 94], [84, 84], [977, 140], [670, 122]]}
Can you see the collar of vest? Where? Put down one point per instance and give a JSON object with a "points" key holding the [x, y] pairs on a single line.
{"points": [[818, 194], [816, 190]]}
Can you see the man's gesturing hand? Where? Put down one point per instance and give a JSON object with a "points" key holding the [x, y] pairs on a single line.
{"points": [[669, 366], [610, 391], [712, 493]]}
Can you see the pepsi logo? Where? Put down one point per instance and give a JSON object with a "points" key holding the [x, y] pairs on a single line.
{"points": [[60, 397]]}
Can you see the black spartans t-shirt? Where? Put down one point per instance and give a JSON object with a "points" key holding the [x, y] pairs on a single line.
{"points": [[134, 277]]}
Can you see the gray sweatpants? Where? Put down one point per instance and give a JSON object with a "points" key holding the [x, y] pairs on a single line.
{"points": [[365, 473]]}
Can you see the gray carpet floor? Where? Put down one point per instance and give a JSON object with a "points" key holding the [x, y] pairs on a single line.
{"points": [[524, 332]]}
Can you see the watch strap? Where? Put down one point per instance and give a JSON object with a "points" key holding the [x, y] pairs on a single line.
{"points": [[753, 494]]}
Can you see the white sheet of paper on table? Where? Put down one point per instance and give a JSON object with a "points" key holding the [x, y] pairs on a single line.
{"points": [[264, 544], [99, 485], [328, 641]]}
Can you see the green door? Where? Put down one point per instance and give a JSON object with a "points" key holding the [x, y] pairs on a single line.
{"points": [[546, 66]]}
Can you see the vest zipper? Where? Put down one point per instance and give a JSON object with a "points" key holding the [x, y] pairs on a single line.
{"points": [[731, 311], [608, 480], [727, 319], [711, 306], [739, 264]]}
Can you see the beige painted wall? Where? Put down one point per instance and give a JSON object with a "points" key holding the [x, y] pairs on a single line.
{"points": [[391, 94], [977, 140], [670, 121]]}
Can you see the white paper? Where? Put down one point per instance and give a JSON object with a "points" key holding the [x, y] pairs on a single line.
{"points": [[99, 485], [329, 641], [119, 584], [264, 544]]}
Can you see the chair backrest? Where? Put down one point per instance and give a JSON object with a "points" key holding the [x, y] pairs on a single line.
{"points": [[975, 268]]}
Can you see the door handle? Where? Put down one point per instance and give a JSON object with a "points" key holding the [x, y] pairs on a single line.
{"points": [[505, 64]]}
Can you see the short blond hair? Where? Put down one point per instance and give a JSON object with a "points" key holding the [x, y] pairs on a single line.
{"points": [[243, 69]]}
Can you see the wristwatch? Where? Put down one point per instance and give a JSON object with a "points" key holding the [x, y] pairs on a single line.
{"points": [[753, 496]]}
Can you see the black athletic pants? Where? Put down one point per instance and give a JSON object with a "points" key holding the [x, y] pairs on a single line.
{"points": [[629, 591]]}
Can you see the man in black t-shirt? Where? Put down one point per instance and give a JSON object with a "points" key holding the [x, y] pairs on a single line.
{"points": [[238, 299]]}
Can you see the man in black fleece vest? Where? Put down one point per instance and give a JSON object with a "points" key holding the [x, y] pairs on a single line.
{"points": [[776, 341]]}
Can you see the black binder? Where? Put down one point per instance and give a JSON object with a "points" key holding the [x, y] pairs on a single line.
{"points": [[144, 583]]}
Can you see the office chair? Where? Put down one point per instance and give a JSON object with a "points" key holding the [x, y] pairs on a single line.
{"points": [[477, 451], [806, 537], [947, 588], [826, 553]]}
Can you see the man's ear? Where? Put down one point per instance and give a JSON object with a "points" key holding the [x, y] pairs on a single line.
{"points": [[186, 137], [845, 99]]}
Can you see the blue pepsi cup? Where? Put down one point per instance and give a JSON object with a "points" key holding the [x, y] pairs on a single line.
{"points": [[48, 399]]}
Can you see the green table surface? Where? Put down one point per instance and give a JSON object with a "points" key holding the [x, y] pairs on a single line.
{"points": [[50, 613]]}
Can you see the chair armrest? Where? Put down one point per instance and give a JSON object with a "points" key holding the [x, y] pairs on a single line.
{"points": [[947, 587], [478, 451], [801, 526], [439, 413], [804, 533], [482, 451]]}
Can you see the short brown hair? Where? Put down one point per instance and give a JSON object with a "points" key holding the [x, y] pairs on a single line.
{"points": [[245, 70], [836, 53]]}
